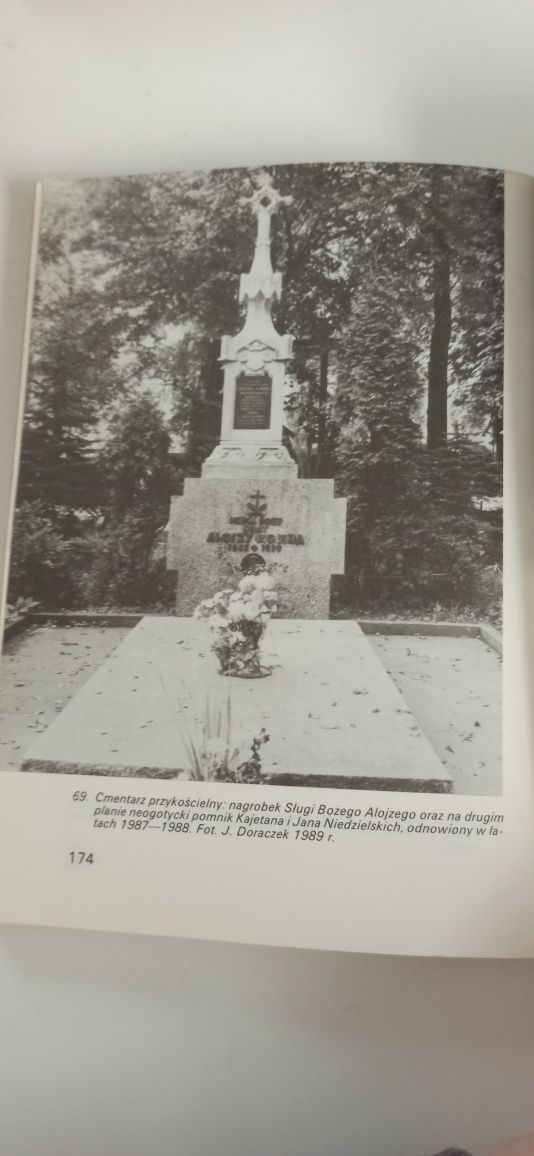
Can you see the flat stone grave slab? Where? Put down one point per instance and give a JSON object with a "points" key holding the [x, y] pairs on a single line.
{"points": [[333, 715]]}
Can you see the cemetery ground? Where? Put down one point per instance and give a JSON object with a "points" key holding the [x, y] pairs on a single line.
{"points": [[452, 685]]}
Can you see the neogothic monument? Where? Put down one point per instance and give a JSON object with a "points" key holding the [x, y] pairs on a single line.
{"points": [[249, 507]]}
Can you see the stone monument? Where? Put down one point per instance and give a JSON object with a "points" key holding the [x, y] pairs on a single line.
{"points": [[249, 508]]}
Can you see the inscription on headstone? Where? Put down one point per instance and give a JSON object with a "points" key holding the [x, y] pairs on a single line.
{"points": [[255, 527], [253, 401]]}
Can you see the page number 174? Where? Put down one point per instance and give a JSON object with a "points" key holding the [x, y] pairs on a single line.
{"points": [[79, 857]]}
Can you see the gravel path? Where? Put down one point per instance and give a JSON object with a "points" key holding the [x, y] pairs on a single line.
{"points": [[40, 672], [453, 687]]}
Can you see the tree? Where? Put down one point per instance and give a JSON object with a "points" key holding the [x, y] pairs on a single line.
{"points": [[392, 288], [466, 346], [438, 360], [135, 460], [123, 559], [71, 348], [42, 561]]}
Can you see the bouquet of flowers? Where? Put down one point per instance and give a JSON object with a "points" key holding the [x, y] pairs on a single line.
{"points": [[237, 622]]}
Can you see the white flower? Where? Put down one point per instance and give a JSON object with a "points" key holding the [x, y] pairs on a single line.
{"points": [[201, 612], [222, 596], [246, 585], [204, 609], [239, 748], [236, 608], [217, 622], [263, 581], [251, 613]]}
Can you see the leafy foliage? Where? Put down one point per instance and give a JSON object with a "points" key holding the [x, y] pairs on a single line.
{"points": [[392, 287], [417, 537], [19, 610], [123, 559], [41, 557]]}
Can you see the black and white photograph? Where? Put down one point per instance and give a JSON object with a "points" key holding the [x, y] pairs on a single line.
{"points": [[258, 525]]}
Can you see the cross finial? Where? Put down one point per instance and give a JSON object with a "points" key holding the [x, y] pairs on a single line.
{"points": [[261, 279], [265, 198]]}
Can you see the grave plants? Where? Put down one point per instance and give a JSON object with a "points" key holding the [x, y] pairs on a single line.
{"points": [[218, 753], [237, 622], [19, 610]]}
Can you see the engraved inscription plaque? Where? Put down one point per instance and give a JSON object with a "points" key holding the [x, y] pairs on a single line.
{"points": [[253, 401]]}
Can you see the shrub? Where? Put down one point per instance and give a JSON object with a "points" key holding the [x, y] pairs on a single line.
{"points": [[41, 558], [415, 535], [123, 565]]}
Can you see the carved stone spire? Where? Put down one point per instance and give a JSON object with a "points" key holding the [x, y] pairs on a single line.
{"points": [[255, 361], [262, 280]]}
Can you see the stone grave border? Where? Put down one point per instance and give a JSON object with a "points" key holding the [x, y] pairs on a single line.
{"points": [[17, 626], [486, 633], [482, 630]]}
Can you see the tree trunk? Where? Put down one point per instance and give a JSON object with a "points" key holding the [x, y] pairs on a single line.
{"points": [[438, 361], [322, 400], [205, 425]]}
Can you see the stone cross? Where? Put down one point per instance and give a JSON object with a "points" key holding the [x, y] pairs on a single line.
{"points": [[262, 280], [264, 201]]}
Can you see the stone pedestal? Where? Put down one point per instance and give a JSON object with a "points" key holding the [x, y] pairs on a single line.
{"points": [[250, 461], [295, 525]]}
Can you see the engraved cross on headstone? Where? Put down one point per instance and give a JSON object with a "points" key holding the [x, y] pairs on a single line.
{"points": [[257, 506]]}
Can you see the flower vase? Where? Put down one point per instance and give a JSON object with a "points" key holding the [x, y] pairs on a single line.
{"points": [[239, 656]]}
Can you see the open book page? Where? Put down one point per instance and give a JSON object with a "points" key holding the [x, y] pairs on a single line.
{"points": [[252, 669]]}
